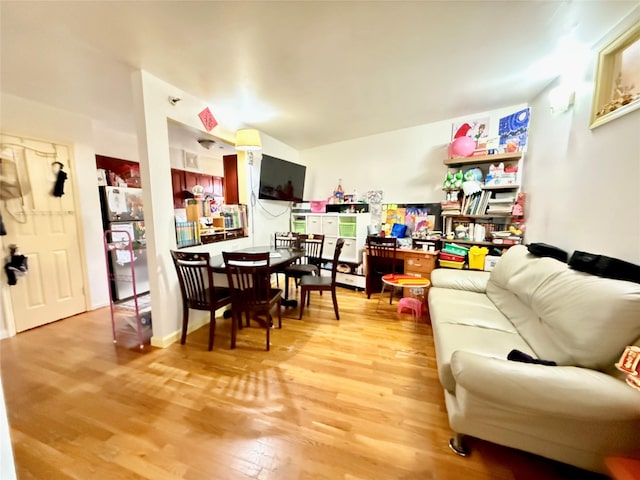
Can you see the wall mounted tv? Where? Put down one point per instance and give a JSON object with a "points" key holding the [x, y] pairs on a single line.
{"points": [[281, 180]]}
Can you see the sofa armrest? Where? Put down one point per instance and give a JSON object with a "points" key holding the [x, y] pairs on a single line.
{"points": [[470, 280], [558, 391]]}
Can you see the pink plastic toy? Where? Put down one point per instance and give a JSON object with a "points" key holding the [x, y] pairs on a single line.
{"points": [[412, 304]]}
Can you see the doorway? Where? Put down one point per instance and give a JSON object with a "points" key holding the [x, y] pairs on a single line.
{"points": [[43, 228]]}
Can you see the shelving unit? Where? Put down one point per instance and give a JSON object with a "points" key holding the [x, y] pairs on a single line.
{"points": [[350, 226], [503, 193], [120, 242]]}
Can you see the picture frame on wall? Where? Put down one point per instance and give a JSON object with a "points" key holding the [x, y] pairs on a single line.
{"points": [[617, 77], [190, 160]]}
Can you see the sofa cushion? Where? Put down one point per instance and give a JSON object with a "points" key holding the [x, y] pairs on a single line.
{"points": [[469, 321], [564, 315]]}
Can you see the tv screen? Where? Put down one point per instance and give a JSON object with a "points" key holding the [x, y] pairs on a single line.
{"points": [[281, 180]]}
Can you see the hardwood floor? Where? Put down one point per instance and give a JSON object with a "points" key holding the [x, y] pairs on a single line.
{"points": [[352, 399]]}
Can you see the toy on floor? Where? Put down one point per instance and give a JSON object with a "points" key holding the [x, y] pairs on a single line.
{"points": [[413, 304]]}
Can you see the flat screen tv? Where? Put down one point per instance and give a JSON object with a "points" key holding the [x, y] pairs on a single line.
{"points": [[281, 180]]}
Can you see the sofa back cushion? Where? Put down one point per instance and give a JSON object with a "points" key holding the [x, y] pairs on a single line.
{"points": [[567, 316]]}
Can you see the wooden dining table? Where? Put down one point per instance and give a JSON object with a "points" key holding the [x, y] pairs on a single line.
{"points": [[278, 259]]}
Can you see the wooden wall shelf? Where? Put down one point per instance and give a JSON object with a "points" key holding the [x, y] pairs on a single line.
{"points": [[515, 156]]}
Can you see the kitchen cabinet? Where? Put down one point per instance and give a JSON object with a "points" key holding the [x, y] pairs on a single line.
{"points": [[183, 181]]}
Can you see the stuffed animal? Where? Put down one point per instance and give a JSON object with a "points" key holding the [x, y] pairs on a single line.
{"points": [[458, 178], [473, 174], [448, 181]]}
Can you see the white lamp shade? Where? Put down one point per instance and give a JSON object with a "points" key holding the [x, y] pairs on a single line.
{"points": [[248, 139]]}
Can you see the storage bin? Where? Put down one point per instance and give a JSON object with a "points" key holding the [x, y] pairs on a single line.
{"points": [[455, 249], [490, 262], [448, 264], [476, 257], [300, 226], [347, 229], [318, 206], [450, 257]]}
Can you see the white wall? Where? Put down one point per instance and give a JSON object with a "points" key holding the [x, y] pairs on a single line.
{"points": [[583, 185], [406, 164]]}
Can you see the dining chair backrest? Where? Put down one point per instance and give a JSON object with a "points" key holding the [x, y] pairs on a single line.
{"points": [[382, 252], [336, 257], [312, 244], [249, 277], [286, 240], [195, 277]]}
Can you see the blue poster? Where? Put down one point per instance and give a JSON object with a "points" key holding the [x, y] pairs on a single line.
{"points": [[513, 131]]}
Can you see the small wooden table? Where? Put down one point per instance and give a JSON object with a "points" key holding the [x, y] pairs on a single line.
{"points": [[403, 280]]}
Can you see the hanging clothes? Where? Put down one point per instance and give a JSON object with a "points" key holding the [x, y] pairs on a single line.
{"points": [[16, 266], [58, 188]]}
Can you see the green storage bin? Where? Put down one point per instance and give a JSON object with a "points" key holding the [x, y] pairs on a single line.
{"points": [[347, 229], [455, 249], [300, 226]]}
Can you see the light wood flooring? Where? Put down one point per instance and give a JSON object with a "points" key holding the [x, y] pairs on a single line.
{"points": [[354, 399]]}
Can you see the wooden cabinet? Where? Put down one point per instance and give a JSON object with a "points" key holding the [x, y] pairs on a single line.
{"points": [[217, 187], [418, 262], [178, 187], [231, 193], [183, 181]]}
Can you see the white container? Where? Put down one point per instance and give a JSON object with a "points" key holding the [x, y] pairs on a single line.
{"points": [[490, 262]]}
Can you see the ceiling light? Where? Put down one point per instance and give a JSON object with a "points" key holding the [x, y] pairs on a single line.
{"points": [[248, 139], [206, 143]]}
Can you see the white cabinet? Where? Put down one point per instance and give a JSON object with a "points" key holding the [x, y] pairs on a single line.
{"points": [[350, 226]]}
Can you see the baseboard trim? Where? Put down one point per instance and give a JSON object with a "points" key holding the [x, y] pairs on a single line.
{"points": [[195, 322]]}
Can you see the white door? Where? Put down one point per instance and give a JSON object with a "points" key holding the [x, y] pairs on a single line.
{"points": [[43, 227]]}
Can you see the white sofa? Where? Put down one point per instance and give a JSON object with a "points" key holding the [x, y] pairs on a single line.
{"points": [[578, 412]]}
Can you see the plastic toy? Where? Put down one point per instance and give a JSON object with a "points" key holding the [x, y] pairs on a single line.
{"points": [[453, 180], [473, 174], [448, 181], [462, 146]]}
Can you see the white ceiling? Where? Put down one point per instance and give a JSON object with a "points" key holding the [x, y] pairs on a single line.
{"points": [[307, 73]]}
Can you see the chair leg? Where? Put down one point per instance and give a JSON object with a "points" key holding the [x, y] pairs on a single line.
{"points": [[185, 324], [286, 286], [236, 319], [268, 331], [303, 294], [280, 313], [212, 328], [335, 302]]}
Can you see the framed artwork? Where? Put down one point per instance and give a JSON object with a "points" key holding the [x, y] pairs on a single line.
{"points": [[617, 79], [190, 160], [513, 131]]}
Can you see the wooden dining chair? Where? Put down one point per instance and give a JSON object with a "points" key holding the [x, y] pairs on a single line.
{"points": [[249, 278], [197, 288], [285, 240], [381, 260], [310, 283], [312, 245]]}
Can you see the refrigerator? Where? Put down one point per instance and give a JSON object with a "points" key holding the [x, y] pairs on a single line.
{"points": [[122, 210]]}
